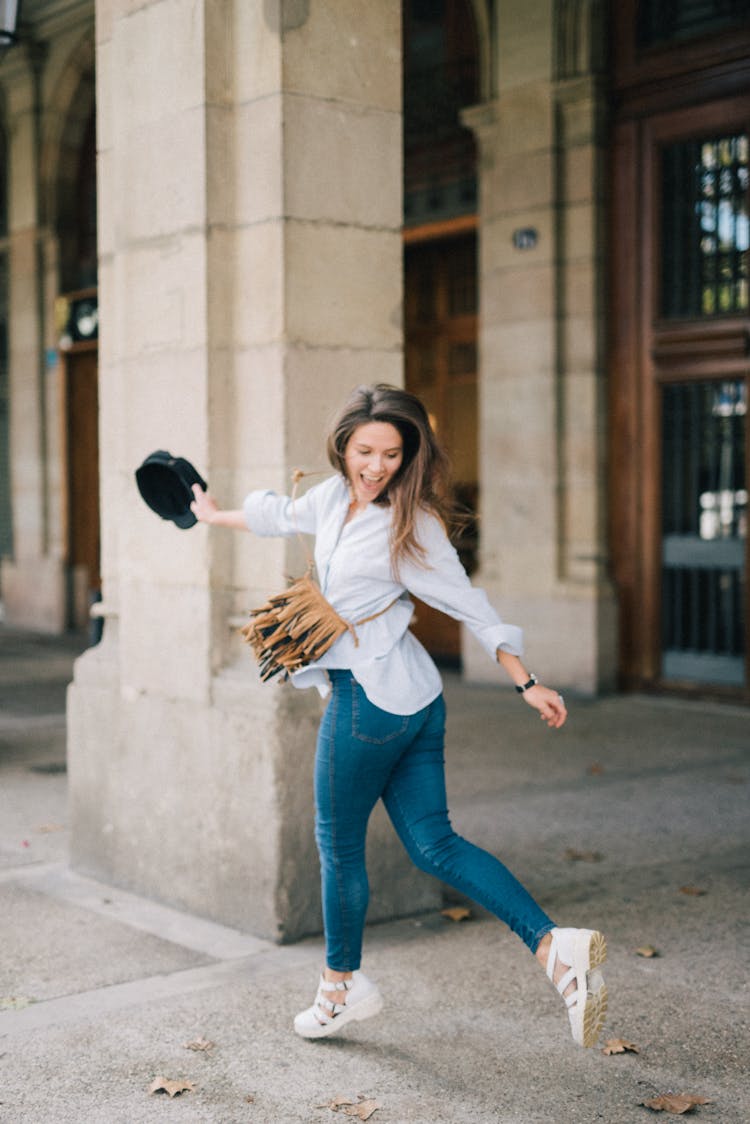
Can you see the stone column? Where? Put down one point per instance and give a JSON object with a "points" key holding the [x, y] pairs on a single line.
{"points": [[250, 275], [33, 580], [542, 440]]}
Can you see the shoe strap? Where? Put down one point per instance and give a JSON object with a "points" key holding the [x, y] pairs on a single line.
{"points": [[328, 1009], [320, 1015], [568, 978], [335, 985]]}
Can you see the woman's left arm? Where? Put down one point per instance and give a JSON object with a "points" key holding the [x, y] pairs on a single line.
{"points": [[549, 703], [441, 581]]}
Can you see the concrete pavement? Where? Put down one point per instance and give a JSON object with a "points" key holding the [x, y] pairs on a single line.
{"points": [[608, 822]]}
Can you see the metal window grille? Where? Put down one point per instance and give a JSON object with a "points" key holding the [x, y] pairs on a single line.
{"points": [[704, 522], [706, 232]]}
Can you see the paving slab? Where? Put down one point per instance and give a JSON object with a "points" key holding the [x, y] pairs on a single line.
{"points": [[633, 819]]}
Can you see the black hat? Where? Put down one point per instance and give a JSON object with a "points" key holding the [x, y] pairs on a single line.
{"points": [[166, 483]]}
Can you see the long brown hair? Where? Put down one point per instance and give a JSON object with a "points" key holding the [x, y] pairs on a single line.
{"points": [[422, 481]]}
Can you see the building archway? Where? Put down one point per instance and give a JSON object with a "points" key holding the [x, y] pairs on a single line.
{"points": [[6, 536], [447, 66], [68, 167]]}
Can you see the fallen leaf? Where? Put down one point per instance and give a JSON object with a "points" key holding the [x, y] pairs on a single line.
{"points": [[362, 1108], [595, 770], [165, 1085], [575, 856], [48, 828], [619, 1046], [199, 1044], [14, 1002], [676, 1103], [647, 951], [456, 913], [250, 1098], [693, 891]]}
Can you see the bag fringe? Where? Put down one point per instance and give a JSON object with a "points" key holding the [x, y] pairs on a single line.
{"points": [[293, 629]]}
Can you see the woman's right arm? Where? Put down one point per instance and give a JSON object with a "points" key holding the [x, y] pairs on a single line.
{"points": [[264, 512], [206, 510]]}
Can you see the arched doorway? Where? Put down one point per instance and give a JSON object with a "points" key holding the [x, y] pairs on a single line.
{"points": [[442, 76], [72, 210], [6, 536]]}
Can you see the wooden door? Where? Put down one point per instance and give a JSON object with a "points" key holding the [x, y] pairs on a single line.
{"points": [[82, 416], [441, 367], [681, 329]]}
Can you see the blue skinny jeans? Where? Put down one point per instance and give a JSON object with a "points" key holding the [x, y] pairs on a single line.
{"points": [[364, 754]]}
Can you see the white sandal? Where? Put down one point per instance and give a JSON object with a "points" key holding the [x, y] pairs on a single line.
{"points": [[582, 951], [326, 1017]]}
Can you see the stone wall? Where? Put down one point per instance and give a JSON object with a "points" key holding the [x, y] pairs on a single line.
{"points": [[544, 557], [250, 275]]}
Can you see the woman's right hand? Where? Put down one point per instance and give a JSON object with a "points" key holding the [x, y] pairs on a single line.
{"points": [[206, 510], [204, 506]]}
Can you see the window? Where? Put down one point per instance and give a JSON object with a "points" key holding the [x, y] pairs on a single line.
{"points": [[706, 236]]}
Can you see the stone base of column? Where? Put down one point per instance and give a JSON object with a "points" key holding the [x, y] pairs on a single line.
{"points": [[570, 641], [34, 594], [209, 807]]}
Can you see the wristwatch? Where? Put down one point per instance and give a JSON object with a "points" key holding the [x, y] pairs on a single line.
{"points": [[532, 682]]}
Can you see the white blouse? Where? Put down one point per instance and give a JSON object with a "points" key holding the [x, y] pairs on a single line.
{"points": [[354, 569]]}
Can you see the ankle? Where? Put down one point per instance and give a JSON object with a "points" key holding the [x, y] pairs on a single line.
{"points": [[330, 975], [542, 949]]}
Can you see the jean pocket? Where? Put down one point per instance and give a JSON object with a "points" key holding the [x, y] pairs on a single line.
{"points": [[371, 724]]}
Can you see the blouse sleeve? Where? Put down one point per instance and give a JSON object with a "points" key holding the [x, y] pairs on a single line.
{"points": [[441, 581], [268, 513]]}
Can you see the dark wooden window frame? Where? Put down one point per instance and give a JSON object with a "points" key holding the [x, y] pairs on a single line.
{"points": [[669, 72], [646, 352]]}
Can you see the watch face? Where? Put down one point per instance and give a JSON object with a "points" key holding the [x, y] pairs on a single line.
{"points": [[85, 319]]}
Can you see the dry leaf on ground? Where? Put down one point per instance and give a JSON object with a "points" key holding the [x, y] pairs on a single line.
{"points": [[619, 1046], [14, 1002], [595, 770], [647, 951], [165, 1085], [456, 913], [693, 891], [676, 1103], [48, 828], [361, 1109], [575, 856], [201, 1044]]}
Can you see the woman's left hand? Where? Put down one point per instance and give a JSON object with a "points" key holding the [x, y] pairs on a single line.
{"points": [[550, 704]]}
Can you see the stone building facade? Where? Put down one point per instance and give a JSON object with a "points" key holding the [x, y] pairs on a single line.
{"points": [[268, 233]]}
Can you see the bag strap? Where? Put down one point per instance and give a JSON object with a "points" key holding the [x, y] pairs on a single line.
{"points": [[378, 614], [297, 476]]}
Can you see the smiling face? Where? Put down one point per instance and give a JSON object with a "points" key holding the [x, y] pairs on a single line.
{"points": [[373, 455]]}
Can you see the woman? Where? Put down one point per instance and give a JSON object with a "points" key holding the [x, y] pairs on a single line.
{"points": [[380, 533]]}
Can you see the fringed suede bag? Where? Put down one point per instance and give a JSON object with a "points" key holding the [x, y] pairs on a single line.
{"points": [[295, 628]]}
